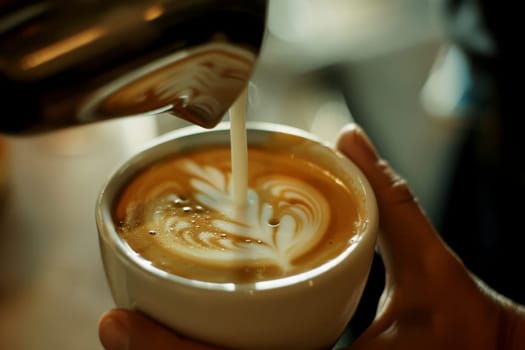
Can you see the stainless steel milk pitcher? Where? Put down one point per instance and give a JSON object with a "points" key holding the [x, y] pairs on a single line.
{"points": [[70, 62]]}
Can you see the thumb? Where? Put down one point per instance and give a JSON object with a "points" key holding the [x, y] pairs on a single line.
{"points": [[121, 329], [405, 232]]}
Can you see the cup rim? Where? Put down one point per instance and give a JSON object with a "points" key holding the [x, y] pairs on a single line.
{"points": [[108, 234]]}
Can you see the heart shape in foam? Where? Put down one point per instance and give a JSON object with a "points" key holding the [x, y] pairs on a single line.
{"points": [[283, 219]]}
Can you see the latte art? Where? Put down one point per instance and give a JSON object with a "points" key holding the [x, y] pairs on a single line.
{"points": [[277, 226], [179, 214]]}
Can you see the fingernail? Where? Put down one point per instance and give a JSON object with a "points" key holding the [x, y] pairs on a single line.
{"points": [[348, 128], [361, 140], [113, 333]]}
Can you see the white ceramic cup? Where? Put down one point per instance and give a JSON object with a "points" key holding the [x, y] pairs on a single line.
{"points": [[309, 310]]}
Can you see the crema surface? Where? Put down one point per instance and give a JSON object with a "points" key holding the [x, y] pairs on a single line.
{"points": [[178, 214]]}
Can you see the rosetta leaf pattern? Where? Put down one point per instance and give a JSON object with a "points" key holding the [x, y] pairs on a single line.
{"points": [[280, 223]]}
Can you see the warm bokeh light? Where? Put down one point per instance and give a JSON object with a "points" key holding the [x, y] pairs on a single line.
{"points": [[62, 47], [153, 12]]}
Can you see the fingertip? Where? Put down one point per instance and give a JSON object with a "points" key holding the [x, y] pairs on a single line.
{"points": [[355, 144], [113, 330], [345, 134]]}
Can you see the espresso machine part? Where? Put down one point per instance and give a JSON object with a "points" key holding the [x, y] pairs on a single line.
{"points": [[70, 62]]}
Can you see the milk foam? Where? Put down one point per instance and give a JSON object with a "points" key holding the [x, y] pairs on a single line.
{"points": [[283, 219]]}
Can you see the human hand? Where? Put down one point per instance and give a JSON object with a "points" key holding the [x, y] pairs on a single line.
{"points": [[430, 300]]}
